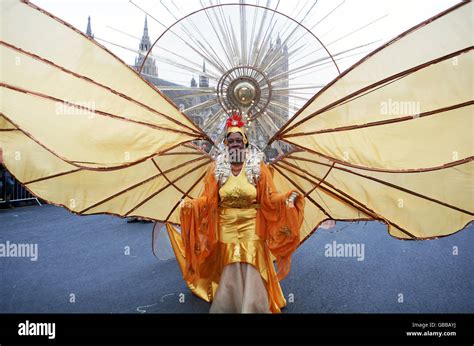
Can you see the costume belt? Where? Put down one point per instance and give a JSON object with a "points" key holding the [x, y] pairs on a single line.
{"points": [[247, 206]]}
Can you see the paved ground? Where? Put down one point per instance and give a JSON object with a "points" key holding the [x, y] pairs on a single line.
{"points": [[82, 267]]}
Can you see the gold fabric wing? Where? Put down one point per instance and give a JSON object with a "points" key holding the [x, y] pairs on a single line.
{"points": [[150, 189], [414, 205], [409, 167], [77, 99], [81, 129]]}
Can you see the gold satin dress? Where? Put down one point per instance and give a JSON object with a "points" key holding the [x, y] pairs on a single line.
{"points": [[237, 238]]}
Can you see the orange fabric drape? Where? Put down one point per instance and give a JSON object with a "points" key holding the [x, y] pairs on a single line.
{"points": [[199, 227], [278, 224]]}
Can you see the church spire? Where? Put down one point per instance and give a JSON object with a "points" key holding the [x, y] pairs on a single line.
{"points": [[149, 66], [145, 43], [203, 80], [89, 30], [145, 29]]}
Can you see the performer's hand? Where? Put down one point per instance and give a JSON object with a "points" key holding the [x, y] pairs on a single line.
{"points": [[290, 202], [186, 204]]}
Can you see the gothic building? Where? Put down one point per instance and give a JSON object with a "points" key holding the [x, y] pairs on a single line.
{"points": [[149, 68]]}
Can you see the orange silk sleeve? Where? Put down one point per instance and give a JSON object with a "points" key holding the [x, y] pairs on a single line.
{"points": [[199, 227], [277, 223]]}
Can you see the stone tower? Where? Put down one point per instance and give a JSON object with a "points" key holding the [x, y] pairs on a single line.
{"points": [[149, 68]]}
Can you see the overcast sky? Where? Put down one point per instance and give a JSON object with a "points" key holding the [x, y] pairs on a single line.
{"points": [[107, 15]]}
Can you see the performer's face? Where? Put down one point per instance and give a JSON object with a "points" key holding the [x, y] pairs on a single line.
{"points": [[235, 141]]}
